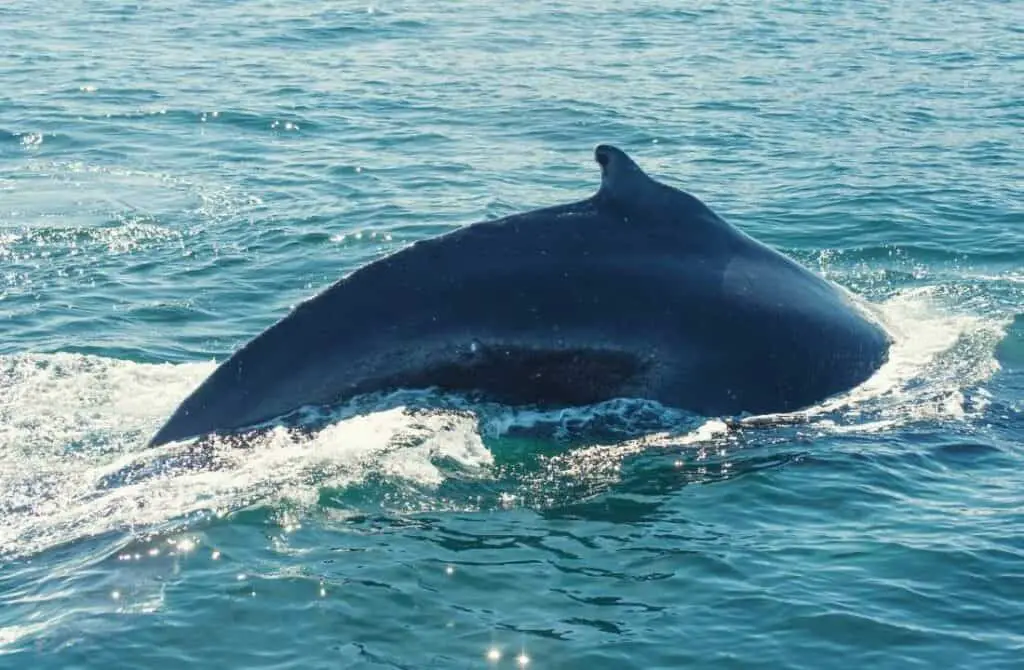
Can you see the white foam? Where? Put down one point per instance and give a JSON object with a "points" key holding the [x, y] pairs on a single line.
{"points": [[73, 462], [939, 354]]}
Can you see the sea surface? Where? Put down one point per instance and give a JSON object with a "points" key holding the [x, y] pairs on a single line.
{"points": [[175, 176]]}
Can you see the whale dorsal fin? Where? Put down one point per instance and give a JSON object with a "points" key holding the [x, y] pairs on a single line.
{"points": [[638, 196], [620, 175]]}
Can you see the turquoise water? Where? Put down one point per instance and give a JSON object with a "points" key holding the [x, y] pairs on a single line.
{"points": [[175, 175]]}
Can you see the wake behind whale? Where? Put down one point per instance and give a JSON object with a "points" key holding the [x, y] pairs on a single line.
{"points": [[637, 291]]}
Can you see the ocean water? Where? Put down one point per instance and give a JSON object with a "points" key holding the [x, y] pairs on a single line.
{"points": [[174, 176]]}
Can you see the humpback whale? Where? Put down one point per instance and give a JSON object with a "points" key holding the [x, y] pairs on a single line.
{"points": [[638, 291]]}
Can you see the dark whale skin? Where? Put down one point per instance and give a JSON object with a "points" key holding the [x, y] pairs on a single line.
{"points": [[638, 291]]}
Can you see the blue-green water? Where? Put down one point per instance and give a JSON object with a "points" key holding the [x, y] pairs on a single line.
{"points": [[175, 175]]}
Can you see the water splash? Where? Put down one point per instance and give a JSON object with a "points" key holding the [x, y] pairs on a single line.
{"points": [[73, 429], [73, 463]]}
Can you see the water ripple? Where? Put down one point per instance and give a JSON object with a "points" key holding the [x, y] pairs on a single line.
{"points": [[176, 175]]}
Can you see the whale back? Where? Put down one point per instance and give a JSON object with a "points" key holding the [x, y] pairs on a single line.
{"points": [[639, 290]]}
